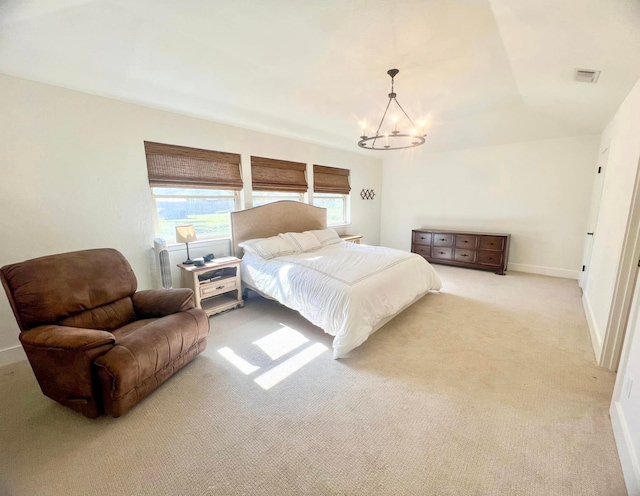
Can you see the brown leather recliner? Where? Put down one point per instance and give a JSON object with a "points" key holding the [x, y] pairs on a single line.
{"points": [[94, 343]]}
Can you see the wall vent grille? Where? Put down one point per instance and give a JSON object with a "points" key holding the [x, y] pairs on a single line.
{"points": [[586, 76]]}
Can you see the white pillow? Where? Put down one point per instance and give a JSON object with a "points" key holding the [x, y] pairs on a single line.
{"points": [[268, 248], [302, 242], [326, 237]]}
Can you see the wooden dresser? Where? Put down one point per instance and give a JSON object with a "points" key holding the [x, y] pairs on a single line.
{"points": [[486, 251]]}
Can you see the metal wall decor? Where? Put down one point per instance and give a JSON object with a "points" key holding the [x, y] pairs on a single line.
{"points": [[367, 194], [393, 140]]}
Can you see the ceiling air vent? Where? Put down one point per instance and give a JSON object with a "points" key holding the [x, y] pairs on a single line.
{"points": [[587, 76]]}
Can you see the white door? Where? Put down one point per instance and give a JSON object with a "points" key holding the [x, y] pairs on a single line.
{"points": [[592, 221]]}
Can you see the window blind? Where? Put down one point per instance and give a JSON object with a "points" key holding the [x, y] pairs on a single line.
{"points": [[268, 174], [171, 165], [331, 180]]}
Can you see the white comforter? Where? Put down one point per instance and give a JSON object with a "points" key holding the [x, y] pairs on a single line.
{"points": [[345, 289]]}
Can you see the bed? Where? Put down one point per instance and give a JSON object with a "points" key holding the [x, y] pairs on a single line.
{"points": [[346, 289]]}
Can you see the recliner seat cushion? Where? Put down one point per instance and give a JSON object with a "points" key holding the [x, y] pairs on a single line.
{"points": [[144, 359]]}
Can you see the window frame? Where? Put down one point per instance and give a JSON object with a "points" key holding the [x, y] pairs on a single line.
{"points": [[234, 194], [346, 207]]}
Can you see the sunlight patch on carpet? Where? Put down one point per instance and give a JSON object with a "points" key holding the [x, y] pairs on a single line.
{"points": [[281, 342], [285, 369], [239, 362]]}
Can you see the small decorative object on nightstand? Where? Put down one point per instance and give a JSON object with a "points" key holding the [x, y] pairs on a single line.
{"points": [[216, 284], [352, 238]]}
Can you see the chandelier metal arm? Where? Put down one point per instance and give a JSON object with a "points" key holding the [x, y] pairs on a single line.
{"points": [[381, 121], [405, 114]]}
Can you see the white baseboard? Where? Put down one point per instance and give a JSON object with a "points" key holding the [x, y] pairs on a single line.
{"points": [[626, 453], [545, 271], [12, 355], [596, 341]]}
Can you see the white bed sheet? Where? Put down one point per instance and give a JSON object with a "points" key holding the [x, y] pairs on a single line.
{"points": [[345, 289]]}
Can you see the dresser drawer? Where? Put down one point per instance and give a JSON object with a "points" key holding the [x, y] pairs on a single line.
{"points": [[441, 252], [466, 241], [442, 239], [490, 257], [464, 255], [422, 238], [217, 287], [425, 251], [491, 243]]}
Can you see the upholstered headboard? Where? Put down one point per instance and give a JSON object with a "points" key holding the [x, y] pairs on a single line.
{"points": [[272, 219]]}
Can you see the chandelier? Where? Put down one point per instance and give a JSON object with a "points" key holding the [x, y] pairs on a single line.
{"points": [[396, 139]]}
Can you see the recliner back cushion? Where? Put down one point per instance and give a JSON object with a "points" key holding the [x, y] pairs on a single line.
{"points": [[50, 289], [107, 317]]}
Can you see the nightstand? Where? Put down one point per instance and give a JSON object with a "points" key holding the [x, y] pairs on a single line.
{"points": [[352, 238], [216, 284]]}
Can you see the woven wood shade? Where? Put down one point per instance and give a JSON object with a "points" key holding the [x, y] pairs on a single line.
{"points": [[268, 174], [170, 165], [331, 180]]}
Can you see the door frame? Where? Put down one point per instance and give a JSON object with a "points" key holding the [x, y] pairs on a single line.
{"points": [[624, 286]]}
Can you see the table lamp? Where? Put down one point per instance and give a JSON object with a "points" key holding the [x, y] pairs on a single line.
{"points": [[186, 234]]}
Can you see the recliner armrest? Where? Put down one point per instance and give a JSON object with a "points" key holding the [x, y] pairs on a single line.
{"points": [[161, 302], [67, 338]]}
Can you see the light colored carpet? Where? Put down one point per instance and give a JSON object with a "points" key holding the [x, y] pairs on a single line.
{"points": [[489, 388]]}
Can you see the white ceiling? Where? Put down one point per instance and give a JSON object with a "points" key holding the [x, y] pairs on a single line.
{"points": [[482, 72]]}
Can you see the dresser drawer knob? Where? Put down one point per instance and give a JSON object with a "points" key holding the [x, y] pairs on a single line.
{"points": [[465, 255], [441, 253], [443, 239]]}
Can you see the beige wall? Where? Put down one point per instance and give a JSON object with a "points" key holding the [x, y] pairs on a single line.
{"points": [[74, 175], [537, 191]]}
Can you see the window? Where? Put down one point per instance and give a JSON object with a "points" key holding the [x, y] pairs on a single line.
{"points": [[337, 207], [275, 180], [264, 197], [331, 191], [208, 210], [193, 186]]}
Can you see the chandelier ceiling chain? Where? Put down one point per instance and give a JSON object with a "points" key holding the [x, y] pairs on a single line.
{"points": [[394, 140]]}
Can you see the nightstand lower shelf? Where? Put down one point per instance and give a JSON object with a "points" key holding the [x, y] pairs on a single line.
{"points": [[220, 303]]}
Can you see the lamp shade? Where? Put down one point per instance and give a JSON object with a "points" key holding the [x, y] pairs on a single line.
{"points": [[185, 234]]}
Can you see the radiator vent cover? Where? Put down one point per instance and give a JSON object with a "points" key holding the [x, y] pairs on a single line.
{"points": [[586, 76], [163, 266]]}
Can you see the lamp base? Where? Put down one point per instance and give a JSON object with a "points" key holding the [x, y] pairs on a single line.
{"points": [[188, 261]]}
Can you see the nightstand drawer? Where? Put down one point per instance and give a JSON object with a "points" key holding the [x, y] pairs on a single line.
{"points": [[425, 251], [441, 252], [218, 287], [422, 238], [442, 239]]}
